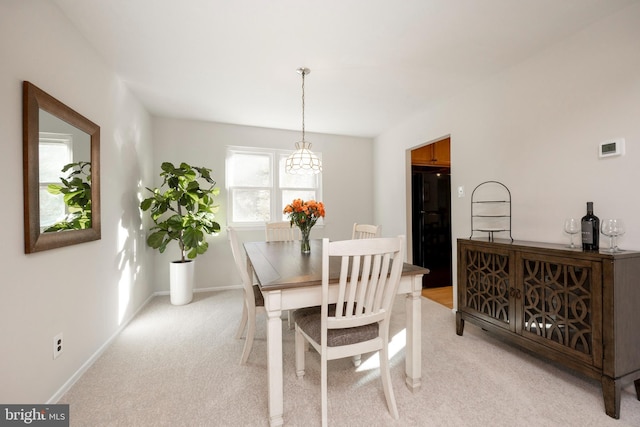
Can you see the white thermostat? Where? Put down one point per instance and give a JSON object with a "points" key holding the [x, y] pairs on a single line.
{"points": [[613, 147]]}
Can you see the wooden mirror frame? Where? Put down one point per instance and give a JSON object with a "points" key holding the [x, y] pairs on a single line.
{"points": [[34, 100]]}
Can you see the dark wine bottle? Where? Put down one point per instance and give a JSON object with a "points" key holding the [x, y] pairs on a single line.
{"points": [[590, 230]]}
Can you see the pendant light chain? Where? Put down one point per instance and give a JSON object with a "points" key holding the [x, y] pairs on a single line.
{"points": [[303, 72]]}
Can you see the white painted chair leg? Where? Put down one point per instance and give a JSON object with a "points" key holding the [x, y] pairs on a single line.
{"points": [[243, 322], [323, 387], [385, 374], [251, 331], [300, 344], [357, 359], [290, 323]]}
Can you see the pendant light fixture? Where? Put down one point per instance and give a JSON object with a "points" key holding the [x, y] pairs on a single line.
{"points": [[303, 161]]}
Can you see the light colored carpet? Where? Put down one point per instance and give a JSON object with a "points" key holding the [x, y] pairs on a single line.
{"points": [[178, 366]]}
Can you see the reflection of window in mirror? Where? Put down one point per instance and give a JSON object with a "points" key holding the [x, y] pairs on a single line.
{"points": [[56, 151]]}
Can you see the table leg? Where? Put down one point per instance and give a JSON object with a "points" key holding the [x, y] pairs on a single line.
{"points": [[272, 302], [413, 362]]}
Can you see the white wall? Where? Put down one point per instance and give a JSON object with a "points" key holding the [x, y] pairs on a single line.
{"points": [[347, 184], [85, 291], [536, 128]]}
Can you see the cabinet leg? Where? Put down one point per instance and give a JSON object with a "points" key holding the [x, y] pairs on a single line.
{"points": [[611, 390], [637, 383], [459, 324]]}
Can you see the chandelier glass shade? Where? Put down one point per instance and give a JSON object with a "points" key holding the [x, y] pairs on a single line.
{"points": [[303, 161]]}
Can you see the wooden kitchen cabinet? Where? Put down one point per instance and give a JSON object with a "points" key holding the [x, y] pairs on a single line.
{"points": [[580, 309], [436, 154]]}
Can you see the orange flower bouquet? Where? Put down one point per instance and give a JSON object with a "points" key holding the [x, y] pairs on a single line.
{"points": [[304, 215]]}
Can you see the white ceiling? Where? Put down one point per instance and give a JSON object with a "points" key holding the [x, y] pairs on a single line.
{"points": [[373, 62]]}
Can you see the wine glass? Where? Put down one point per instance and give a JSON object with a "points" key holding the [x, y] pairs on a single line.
{"points": [[606, 228], [571, 226], [612, 228], [619, 232]]}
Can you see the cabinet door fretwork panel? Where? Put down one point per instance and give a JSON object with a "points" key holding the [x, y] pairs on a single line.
{"points": [[559, 308], [487, 290], [577, 308]]}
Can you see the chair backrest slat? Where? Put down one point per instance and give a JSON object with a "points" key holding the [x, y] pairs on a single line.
{"points": [[365, 285], [281, 231], [342, 287]]}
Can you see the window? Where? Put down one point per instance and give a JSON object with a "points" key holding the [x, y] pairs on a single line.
{"points": [[259, 188], [56, 151]]}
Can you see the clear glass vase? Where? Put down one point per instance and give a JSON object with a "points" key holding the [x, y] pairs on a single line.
{"points": [[305, 246]]}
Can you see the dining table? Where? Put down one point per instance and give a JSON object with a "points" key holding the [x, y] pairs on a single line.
{"points": [[290, 280]]}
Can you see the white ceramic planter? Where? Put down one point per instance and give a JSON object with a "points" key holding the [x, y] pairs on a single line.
{"points": [[181, 282]]}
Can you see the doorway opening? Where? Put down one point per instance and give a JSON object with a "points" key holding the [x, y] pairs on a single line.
{"points": [[431, 218]]}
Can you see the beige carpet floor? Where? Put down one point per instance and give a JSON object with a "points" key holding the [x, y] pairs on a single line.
{"points": [[178, 366]]}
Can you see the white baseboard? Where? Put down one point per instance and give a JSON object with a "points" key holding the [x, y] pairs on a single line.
{"points": [[218, 288], [198, 290]]}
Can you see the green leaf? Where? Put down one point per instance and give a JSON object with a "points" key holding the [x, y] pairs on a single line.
{"points": [[54, 188], [146, 204], [167, 167], [155, 239]]}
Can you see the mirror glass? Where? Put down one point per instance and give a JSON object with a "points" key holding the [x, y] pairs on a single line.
{"points": [[61, 173]]}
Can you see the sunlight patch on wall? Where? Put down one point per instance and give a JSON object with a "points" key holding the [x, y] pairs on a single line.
{"points": [[125, 282], [124, 286]]}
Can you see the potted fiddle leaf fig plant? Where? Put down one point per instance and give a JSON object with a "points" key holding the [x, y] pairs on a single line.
{"points": [[182, 210]]}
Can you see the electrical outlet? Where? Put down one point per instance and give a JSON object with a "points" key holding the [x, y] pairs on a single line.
{"points": [[57, 345], [461, 191]]}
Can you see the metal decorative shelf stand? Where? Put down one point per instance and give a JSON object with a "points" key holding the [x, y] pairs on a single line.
{"points": [[491, 209]]}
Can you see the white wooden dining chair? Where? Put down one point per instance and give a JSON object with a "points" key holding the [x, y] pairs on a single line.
{"points": [[253, 300], [359, 320], [366, 231], [281, 231]]}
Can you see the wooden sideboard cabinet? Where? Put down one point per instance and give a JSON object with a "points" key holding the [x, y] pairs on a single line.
{"points": [[581, 309]]}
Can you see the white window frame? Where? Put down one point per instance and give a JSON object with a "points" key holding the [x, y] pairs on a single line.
{"points": [[275, 190]]}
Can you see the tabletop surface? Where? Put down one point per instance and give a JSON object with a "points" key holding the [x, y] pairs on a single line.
{"points": [[279, 265]]}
